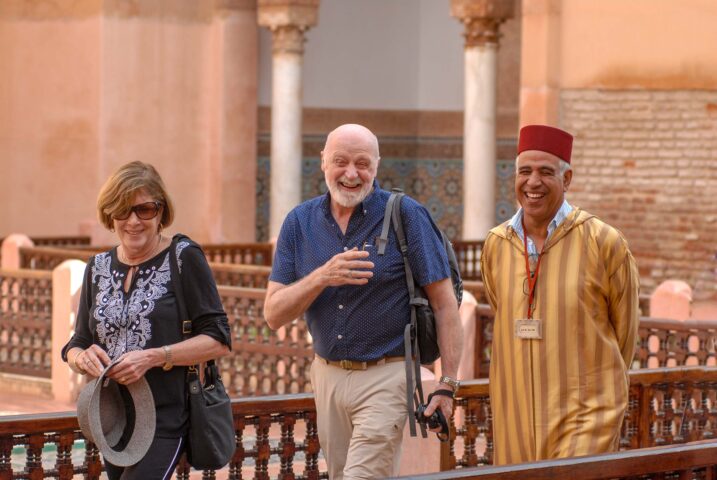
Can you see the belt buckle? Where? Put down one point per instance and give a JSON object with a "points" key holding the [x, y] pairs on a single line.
{"points": [[346, 364]]}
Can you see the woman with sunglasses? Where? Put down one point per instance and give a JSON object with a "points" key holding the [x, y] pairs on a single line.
{"points": [[128, 311]]}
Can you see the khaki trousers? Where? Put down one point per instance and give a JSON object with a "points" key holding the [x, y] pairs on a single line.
{"points": [[360, 416]]}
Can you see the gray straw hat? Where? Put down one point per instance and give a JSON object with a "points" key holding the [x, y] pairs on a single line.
{"points": [[102, 417]]}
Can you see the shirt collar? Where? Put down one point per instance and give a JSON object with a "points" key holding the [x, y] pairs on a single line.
{"points": [[516, 223]]}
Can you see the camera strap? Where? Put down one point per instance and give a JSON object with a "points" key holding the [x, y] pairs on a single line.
{"points": [[414, 385]]}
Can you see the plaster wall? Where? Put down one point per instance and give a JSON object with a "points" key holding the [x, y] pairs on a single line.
{"points": [[613, 44], [49, 121], [652, 44], [373, 54], [92, 86]]}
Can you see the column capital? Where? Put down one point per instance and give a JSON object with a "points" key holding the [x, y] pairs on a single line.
{"points": [[288, 20], [481, 19]]}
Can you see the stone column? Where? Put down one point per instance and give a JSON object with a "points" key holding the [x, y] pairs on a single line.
{"points": [[287, 20], [481, 19], [66, 286], [232, 201]]}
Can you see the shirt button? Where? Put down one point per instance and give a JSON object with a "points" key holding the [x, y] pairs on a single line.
{"points": [[341, 307], [340, 337], [346, 249]]}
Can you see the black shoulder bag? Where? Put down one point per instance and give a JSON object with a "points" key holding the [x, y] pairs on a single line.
{"points": [[211, 440]]}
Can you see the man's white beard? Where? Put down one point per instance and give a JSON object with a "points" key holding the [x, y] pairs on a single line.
{"points": [[348, 199]]}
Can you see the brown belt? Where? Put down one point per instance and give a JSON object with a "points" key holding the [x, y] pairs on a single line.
{"points": [[354, 365]]}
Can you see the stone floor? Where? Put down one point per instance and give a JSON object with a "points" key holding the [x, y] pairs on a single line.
{"points": [[16, 403]]}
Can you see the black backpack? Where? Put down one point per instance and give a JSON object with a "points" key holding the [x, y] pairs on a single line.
{"points": [[420, 336]]}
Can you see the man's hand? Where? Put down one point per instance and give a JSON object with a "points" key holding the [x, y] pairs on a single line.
{"points": [[346, 268], [284, 303], [444, 403]]}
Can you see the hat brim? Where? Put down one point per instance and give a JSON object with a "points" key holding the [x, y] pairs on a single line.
{"points": [[103, 419]]}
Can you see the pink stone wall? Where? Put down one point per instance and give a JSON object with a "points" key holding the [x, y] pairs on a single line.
{"points": [[97, 84]]}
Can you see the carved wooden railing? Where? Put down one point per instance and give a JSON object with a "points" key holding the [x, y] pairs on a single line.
{"points": [[240, 275], [666, 406], [483, 340], [468, 256], [263, 361], [248, 253], [61, 241], [275, 436], [693, 461], [660, 343], [26, 322], [47, 258], [669, 343]]}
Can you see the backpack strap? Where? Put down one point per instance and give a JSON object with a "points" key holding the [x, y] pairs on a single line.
{"points": [[383, 238], [414, 386]]}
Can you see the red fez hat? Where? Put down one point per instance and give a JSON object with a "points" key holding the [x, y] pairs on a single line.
{"points": [[546, 139]]}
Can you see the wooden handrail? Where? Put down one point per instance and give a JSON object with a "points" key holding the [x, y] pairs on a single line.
{"points": [[27, 273], [240, 268], [260, 416], [682, 458]]}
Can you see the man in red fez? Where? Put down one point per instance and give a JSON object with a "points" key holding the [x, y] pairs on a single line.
{"points": [[564, 288]]}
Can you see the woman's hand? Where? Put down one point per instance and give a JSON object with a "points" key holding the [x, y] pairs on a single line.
{"points": [[133, 365], [92, 360]]}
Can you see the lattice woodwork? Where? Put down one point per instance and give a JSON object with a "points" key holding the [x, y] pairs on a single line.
{"points": [[666, 406], [60, 241], [47, 258], [26, 322], [276, 438], [240, 275], [263, 361], [669, 343], [483, 340], [468, 256], [248, 253], [660, 343]]}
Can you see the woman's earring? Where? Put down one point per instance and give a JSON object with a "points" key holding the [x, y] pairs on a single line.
{"points": [[159, 228]]}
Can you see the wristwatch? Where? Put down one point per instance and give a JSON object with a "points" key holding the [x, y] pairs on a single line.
{"points": [[451, 382], [167, 358]]}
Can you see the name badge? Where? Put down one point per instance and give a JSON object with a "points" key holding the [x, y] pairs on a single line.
{"points": [[528, 328]]}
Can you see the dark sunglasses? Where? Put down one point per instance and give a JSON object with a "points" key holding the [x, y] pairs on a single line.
{"points": [[144, 211]]}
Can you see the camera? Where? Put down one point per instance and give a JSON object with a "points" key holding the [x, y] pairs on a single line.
{"points": [[435, 420]]}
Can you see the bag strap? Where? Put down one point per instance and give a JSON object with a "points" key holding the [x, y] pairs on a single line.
{"points": [[181, 299], [414, 386]]}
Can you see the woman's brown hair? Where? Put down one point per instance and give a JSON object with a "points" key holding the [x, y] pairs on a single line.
{"points": [[117, 194]]}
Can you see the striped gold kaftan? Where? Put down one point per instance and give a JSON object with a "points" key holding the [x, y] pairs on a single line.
{"points": [[565, 394]]}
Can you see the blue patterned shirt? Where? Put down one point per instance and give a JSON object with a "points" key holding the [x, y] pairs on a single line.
{"points": [[359, 322], [517, 224]]}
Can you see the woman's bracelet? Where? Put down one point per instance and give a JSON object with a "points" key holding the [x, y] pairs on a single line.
{"points": [[82, 371]]}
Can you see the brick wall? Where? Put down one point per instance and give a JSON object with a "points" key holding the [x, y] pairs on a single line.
{"points": [[646, 162]]}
